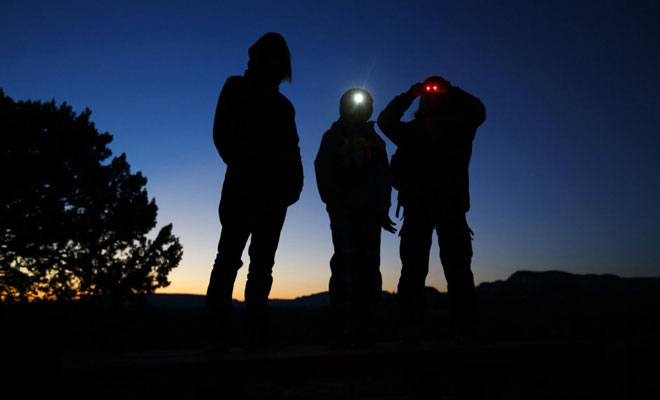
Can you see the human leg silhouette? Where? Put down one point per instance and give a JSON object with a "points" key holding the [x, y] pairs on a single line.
{"points": [[455, 242], [341, 277], [367, 281], [233, 237], [416, 240], [266, 228], [227, 263]]}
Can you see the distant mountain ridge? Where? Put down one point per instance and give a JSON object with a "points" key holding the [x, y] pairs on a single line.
{"points": [[528, 285], [561, 282]]}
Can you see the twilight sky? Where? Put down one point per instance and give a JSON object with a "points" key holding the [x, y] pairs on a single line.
{"points": [[565, 172]]}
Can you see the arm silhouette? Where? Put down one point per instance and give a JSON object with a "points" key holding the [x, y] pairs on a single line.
{"points": [[389, 120], [229, 118]]}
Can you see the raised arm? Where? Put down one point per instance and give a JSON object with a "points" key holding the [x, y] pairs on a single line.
{"points": [[389, 120]]}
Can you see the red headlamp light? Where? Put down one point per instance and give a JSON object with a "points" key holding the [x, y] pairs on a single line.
{"points": [[433, 87]]}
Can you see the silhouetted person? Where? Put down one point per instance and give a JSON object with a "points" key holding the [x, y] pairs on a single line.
{"points": [[353, 180], [430, 171], [255, 133]]}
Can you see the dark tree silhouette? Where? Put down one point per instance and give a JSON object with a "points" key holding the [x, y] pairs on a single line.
{"points": [[71, 224]]}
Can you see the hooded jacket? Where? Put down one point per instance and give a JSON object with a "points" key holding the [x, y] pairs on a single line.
{"points": [[255, 134]]}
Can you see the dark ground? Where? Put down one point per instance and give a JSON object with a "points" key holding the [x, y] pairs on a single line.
{"points": [[547, 336]]}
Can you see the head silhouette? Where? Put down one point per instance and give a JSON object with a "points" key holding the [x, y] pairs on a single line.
{"points": [[270, 58], [356, 106], [434, 96]]}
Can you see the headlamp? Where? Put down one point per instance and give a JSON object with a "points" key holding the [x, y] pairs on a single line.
{"points": [[434, 87], [356, 104]]}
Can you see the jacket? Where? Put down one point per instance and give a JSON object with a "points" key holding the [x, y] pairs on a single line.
{"points": [[352, 171], [255, 134], [433, 155]]}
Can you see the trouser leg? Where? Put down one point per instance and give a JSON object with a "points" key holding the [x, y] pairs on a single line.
{"points": [[340, 273], [232, 241], [416, 239], [265, 239], [233, 238], [355, 282], [455, 244], [367, 278]]}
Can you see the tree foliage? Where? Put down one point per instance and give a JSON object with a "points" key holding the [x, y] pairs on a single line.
{"points": [[73, 224]]}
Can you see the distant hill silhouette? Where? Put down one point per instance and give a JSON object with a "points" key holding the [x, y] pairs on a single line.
{"points": [[527, 288], [176, 300], [530, 287], [532, 281], [317, 300]]}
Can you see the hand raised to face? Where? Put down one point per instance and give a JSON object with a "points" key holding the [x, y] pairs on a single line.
{"points": [[417, 89]]}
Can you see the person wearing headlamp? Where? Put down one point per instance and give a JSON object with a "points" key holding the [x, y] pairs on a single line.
{"points": [[430, 172], [353, 181]]}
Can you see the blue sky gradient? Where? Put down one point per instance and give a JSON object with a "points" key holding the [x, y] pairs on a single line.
{"points": [[564, 173]]}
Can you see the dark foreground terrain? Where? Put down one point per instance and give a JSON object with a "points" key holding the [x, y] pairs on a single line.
{"points": [[548, 335]]}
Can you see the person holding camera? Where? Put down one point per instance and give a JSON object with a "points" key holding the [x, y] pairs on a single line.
{"points": [[430, 172]]}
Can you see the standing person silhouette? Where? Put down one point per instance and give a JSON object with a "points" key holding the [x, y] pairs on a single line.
{"points": [[430, 171], [353, 180], [255, 134]]}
